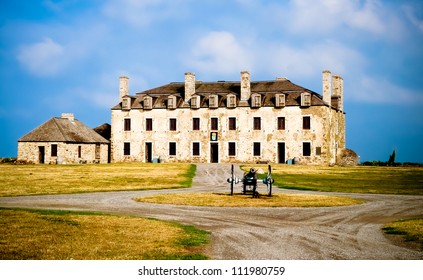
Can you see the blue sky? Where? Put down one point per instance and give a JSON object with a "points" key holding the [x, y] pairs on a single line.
{"points": [[66, 56]]}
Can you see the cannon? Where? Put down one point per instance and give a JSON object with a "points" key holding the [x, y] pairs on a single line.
{"points": [[250, 181]]}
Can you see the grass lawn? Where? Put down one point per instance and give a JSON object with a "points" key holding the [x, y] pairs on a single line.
{"points": [[360, 179], [64, 235], [37, 179], [240, 200], [411, 231]]}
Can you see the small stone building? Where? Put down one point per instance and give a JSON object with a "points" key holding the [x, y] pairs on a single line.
{"points": [[63, 140], [273, 121]]}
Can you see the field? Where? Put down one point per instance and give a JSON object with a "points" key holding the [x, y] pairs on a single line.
{"points": [[360, 179], [18, 180], [65, 235]]}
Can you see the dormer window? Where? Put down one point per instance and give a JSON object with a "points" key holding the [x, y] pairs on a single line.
{"points": [[213, 100], [280, 100], [171, 102], [126, 103], [195, 102], [305, 99], [231, 101], [148, 102], [255, 100]]}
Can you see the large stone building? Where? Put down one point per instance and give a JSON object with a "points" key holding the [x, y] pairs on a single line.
{"points": [[63, 140], [241, 121]]}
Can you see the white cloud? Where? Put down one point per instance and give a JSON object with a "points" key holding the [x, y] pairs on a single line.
{"points": [[382, 91], [410, 12], [219, 52], [45, 58]]}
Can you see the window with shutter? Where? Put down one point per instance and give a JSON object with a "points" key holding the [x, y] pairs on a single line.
{"points": [[232, 123], [280, 100], [281, 123], [305, 99]]}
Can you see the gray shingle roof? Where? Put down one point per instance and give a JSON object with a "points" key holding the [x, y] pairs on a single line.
{"points": [[63, 130]]}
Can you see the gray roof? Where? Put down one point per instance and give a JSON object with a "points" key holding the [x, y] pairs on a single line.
{"points": [[267, 89], [63, 130]]}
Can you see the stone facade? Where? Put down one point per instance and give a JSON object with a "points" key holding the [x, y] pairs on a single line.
{"points": [[63, 140], [270, 121]]}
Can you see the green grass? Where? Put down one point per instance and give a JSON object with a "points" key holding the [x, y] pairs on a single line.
{"points": [[410, 230], [60, 235], [360, 179]]}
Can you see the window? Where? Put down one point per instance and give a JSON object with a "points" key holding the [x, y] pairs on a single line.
{"points": [[54, 150], [126, 103], [318, 151], [231, 149], [148, 124], [214, 124], [281, 123], [79, 151], [257, 123], [97, 151], [232, 123], [171, 102], [195, 123], [280, 100], [127, 124], [196, 149], [172, 149], [256, 149], [306, 122], [255, 100], [213, 101], [305, 99], [126, 149], [306, 149], [148, 102], [172, 124], [231, 101], [195, 102]]}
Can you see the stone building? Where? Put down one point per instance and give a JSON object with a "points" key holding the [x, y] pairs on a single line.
{"points": [[63, 140], [247, 121]]}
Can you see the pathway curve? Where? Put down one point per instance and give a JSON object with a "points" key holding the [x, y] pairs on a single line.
{"points": [[348, 232]]}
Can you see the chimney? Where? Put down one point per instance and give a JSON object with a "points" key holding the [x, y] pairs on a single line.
{"points": [[327, 86], [68, 116], [189, 86], [123, 86], [338, 90], [245, 86]]}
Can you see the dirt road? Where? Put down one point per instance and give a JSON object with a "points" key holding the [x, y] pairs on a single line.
{"points": [[351, 232]]}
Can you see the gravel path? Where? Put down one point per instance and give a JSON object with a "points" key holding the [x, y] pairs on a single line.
{"points": [[349, 232]]}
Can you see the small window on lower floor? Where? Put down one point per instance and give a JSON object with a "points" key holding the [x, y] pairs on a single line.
{"points": [[231, 149], [79, 151], [256, 149], [318, 151], [172, 149], [306, 149], [196, 149], [126, 149], [54, 150]]}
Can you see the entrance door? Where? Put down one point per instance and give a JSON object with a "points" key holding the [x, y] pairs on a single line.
{"points": [[214, 152], [281, 152], [148, 152], [41, 154]]}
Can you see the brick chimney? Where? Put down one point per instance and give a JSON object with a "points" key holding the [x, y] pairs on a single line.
{"points": [[68, 116], [327, 86], [123, 86], [245, 86], [338, 90], [189, 86]]}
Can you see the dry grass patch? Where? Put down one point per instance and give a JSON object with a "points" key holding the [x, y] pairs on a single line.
{"points": [[62, 235], [240, 200], [18, 180]]}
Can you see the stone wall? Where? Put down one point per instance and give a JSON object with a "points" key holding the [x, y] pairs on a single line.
{"points": [[67, 153]]}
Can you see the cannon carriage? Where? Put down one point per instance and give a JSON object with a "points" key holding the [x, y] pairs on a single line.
{"points": [[250, 182]]}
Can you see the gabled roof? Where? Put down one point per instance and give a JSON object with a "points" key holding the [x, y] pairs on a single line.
{"points": [[63, 130]]}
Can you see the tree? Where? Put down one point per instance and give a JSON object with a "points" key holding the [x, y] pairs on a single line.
{"points": [[391, 160]]}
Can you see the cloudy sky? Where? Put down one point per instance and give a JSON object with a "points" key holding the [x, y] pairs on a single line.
{"points": [[66, 56]]}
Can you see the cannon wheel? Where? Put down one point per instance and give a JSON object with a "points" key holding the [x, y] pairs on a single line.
{"points": [[269, 177], [232, 179]]}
